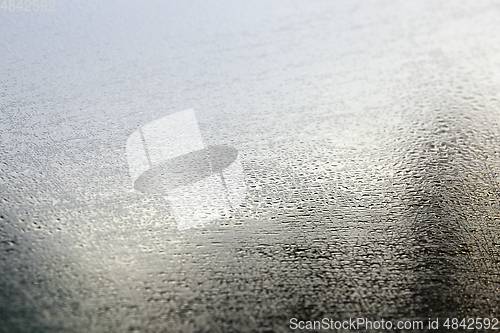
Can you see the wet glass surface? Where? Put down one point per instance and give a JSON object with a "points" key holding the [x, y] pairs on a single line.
{"points": [[225, 167]]}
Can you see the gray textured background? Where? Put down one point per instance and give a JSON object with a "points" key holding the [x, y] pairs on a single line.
{"points": [[369, 136]]}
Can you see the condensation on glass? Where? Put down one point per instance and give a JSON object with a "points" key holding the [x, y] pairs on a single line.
{"points": [[202, 183]]}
